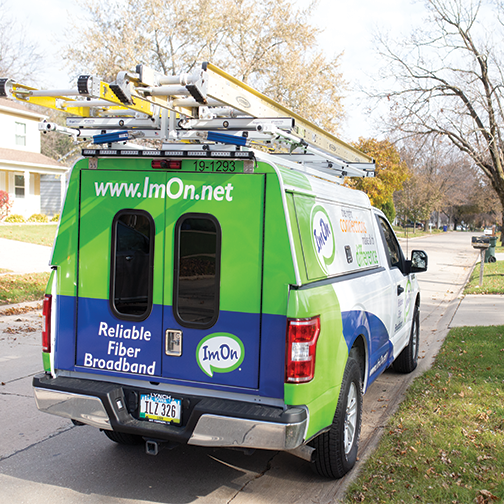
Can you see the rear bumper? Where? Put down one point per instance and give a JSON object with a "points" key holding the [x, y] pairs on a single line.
{"points": [[205, 421], [83, 408]]}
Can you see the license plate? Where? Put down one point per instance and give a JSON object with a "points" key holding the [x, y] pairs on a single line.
{"points": [[160, 408]]}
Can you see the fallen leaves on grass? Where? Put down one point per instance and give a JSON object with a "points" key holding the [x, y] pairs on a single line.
{"points": [[485, 497], [20, 288]]}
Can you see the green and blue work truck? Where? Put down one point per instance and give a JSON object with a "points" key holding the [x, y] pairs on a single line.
{"points": [[209, 293]]}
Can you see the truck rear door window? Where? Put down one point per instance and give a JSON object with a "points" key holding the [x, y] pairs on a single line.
{"points": [[132, 264], [197, 270]]}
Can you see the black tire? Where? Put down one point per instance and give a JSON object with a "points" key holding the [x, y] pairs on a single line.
{"points": [[124, 439], [336, 450], [407, 360]]}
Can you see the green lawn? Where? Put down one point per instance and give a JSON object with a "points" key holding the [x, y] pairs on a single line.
{"points": [[41, 234], [446, 442], [414, 233], [493, 278], [20, 288]]}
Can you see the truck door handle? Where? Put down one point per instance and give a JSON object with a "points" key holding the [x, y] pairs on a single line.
{"points": [[173, 342], [400, 290]]}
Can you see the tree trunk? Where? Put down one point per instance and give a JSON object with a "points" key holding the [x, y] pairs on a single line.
{"points": [[502, 227]]}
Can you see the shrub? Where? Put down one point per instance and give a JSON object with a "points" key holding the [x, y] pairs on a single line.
{"points": [[5, 204], [16, 218], [55, 218], [38, 218]]}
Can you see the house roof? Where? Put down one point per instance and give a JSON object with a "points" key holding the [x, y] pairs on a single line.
{"points": [[32, 161], [17, 107]]}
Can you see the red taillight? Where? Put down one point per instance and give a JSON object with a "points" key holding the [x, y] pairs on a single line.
{"points": [[46, 323], [302, 335], [166, 164]]}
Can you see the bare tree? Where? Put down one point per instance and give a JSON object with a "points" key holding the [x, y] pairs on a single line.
{"points": [[448, 82], [488, 206], [268, 44], [442, 178], [19, 60]]}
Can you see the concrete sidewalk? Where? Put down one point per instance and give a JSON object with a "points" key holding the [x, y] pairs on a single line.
{"points": [[20, 257], [480, 309]]}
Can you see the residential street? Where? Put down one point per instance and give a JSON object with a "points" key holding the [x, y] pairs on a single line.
{"points": [[45, 458]]}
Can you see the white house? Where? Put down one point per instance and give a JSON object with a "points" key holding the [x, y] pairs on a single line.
{"points": [[36, 183]]}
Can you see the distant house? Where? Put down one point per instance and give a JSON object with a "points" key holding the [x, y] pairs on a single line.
{"points": [[36, 183]]}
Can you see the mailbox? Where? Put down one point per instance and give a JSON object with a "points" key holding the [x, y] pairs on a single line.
{"points": [[480, 242]]}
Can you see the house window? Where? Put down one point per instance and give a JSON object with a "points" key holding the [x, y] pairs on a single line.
{"points": [[19, 186], [21, 134], [197, 270]]}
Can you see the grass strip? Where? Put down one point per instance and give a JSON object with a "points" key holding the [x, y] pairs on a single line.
{"points": [[446, 441], [493, 279], [30, 233], [417, 233], [20, 288]]}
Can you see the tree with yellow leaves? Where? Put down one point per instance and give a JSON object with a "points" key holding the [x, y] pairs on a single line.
{"points": [[269, 44], [390, 174]]}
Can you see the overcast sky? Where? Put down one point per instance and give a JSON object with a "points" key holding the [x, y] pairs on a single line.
{"points": [[348, 27]]}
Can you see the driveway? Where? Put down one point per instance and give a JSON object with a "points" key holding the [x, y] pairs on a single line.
{"points": [[20, 257]]}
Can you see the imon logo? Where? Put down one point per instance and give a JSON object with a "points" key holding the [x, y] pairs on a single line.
{"points": [[219, 353], [322, 236]]}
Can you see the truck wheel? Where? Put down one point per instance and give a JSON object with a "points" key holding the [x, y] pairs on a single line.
{"points": [[407, 360], [336, 450], [123, 438]]}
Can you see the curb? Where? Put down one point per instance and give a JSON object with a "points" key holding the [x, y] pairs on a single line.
{"points": [[460, 296]]}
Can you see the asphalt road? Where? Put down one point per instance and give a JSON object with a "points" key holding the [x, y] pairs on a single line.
{"points": [[44, 458]]}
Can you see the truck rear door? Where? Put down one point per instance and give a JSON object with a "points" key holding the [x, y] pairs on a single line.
{"points": [[169, 274], [213, 274]]}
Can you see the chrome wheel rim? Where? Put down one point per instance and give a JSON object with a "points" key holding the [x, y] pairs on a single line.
{"points": [[350, 418]]}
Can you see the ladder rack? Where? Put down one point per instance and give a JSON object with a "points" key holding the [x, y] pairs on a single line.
{"points": [[207, 106]]}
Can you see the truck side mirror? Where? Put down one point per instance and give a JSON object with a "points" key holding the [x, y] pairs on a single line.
{"points": [[418, 261]]}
